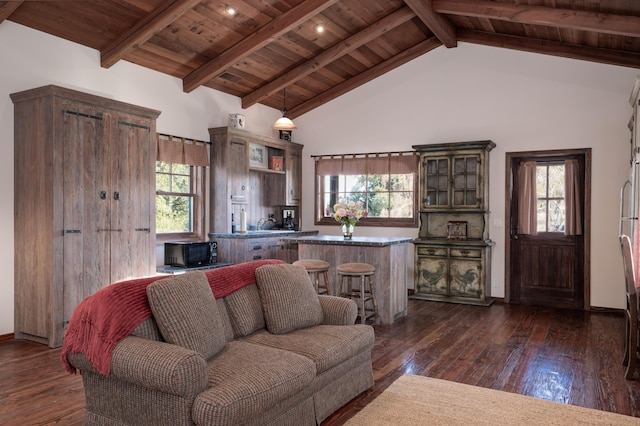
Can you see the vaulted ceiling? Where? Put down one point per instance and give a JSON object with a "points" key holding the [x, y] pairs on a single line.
{"points": [[268, 46]]}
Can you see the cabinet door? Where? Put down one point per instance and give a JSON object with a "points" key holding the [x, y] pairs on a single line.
{"points": [[466, 181], [238, 170], [466, 278], [294, 177], [85, 176], [132, 198], [432, 271], [436, 178]]}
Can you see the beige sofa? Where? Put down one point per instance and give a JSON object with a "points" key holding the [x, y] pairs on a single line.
{"points": [[271, 352]]}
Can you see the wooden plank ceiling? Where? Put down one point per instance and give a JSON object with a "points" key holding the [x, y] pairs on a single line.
{"points": [[271, 45]]}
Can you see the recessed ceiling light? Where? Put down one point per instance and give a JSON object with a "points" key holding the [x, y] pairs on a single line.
{"points": [[231, 10], [319, 28]]}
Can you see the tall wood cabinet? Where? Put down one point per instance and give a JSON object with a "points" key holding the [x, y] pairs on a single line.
{"points": [[453, 251], [236, 184], [84, 202]]}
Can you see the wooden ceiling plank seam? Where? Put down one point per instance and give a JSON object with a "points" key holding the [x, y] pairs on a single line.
{"points": [[8, 8], [366, 76], [140, 33], [439, 24], [539, 15], [554, 48], [255, 41], [340, 49]]}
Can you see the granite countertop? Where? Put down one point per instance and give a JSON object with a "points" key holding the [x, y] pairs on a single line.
{"points": [[261, 234], [356, 241]]}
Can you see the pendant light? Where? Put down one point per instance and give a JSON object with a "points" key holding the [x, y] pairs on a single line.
{"points": [[284, 125]]}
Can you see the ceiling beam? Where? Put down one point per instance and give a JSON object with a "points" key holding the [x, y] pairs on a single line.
{"points": [[256, 41], [8, 8], [555, 48], [329, 55], [439, 25], [140, 33], [626, 25], [365, 76]]}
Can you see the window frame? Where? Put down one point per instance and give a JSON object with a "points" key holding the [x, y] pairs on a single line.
{"points": [[197, 192], [320, 219]]}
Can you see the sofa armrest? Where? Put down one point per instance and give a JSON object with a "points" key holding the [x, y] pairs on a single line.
{"points": [[155, 365], [338, 310]]}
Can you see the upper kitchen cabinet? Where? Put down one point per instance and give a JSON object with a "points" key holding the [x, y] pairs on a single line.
{"points": [[84, 202], [294, 175], [255, 173]]}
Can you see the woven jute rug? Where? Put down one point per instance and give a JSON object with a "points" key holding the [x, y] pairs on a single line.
{"points": [[417, 400]]}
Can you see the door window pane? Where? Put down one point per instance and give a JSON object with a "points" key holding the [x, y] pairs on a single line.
{"points": [[550, 193]]}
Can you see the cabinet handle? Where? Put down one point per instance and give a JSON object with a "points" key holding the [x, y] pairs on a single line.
{"points": [[103, 195], [257, 247], [257, 257], [431, 252], [143, 229], [109, 230], [116, 195], [72, 231], [464, 252]]}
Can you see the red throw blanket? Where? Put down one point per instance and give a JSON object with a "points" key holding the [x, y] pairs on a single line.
{"points": [[103, 319]]}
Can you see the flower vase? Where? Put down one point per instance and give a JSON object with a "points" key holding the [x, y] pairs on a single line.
{"points": [[347, 231]]}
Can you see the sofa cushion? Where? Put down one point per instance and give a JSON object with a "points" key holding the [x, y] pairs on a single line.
{"points": [[187, 313], [245, 310], [289, 301], [246, 380], [326, 345]]}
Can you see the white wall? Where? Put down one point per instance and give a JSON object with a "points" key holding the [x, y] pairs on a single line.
{"points": [[522, 102], [519, 100]]}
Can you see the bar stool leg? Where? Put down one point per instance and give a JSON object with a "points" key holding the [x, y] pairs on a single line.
{"points": [[326, 283], [363, 309], [373, 298]]}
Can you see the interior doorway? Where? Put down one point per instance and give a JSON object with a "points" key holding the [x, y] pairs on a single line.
{"points": [[548, 233]]}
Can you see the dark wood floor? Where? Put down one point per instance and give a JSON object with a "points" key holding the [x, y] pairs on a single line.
{"points": [[571, 357]]}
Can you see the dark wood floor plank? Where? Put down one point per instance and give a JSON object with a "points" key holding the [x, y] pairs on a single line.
{"points": [[566, 356]]}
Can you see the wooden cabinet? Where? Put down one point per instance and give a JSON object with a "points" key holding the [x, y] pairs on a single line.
{"points": [[454, 192], [294, 175], [84, 203], [239, 250], [453, 178], [229, 186], [453, 271], [237, 185]]}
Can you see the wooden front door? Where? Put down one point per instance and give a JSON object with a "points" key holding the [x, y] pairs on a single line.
{"points": [[548, 268]]}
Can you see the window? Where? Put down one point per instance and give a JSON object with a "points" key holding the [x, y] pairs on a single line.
{"points": [[551, 210], [385, 183], [179, 189]]}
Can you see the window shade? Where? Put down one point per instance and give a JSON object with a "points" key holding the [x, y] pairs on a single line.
{"points": [[376, 164], [174, 149]]}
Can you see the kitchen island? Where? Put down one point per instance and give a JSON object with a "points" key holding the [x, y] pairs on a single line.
{"points": [[388, 255]]}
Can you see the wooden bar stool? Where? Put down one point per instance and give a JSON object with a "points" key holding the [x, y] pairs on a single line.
{"points": [[315, 267], [362, 271]]}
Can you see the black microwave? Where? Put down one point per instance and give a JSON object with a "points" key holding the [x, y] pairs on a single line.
{"points": [[189, 254]]}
